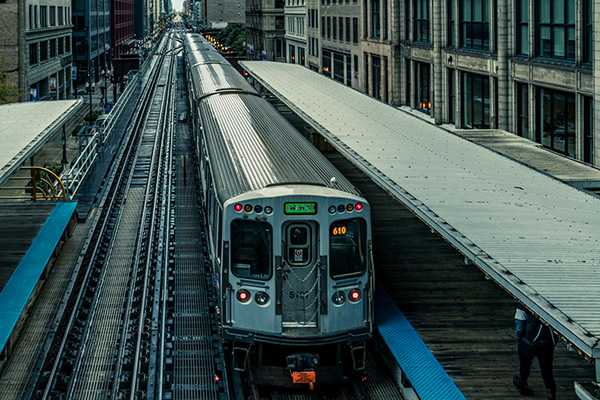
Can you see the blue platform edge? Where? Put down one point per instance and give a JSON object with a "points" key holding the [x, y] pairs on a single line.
{"points": [[16, 293], [427, 377]]}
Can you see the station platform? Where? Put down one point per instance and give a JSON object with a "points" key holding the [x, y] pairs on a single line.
{"points": [[530, 233], [31, 234], [26, 127]]}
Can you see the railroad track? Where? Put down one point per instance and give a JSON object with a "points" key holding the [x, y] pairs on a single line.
{"points": [[189, 361], [102, 351]]}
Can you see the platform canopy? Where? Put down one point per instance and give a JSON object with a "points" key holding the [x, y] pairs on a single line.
{"points": [[536, 236], [26, 127]]}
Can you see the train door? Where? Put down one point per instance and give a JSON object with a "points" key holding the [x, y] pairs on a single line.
{"points": [[300, 277]]}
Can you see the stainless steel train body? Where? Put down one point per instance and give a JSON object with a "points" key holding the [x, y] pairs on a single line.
{"points": [[290, 237]]}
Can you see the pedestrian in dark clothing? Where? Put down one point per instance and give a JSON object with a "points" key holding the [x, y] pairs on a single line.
{"points": [[536, 340]]}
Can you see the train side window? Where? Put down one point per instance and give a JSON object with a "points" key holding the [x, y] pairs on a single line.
{"points": [[347, 247], [220, 230], [251, 249]]}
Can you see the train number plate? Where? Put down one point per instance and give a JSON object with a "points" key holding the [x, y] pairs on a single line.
{"points": [[304, 377]]}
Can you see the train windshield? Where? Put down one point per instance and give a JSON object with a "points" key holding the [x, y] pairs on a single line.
{"points": [[347, 247], [251, 249]]}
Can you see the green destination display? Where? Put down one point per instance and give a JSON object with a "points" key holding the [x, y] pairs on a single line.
{"points": [[306, 208]]}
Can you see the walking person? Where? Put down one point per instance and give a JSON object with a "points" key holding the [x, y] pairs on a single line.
{"points": [[535, 340]]}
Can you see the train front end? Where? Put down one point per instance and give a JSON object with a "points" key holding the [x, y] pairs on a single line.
{"points": [[297, 273]]}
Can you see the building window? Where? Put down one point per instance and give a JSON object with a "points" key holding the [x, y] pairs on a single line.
{"points": [[43, 16], [341, 33], [475, 24], [44, 50], [588, 30], [522, 109], [33, 54], [338, 67], [376, 76], [422, 98], [355, 60], [61, 46], [52, 48], [292, 54], [556, 29], [279, 22], [385, 79], [301, 56], [556, 120], [522, 28], [30, 16], [366, 72], [451, 95], [52, 10], [421, 20], [334, 28], [375, 20], [588, 130], [322, 26], [326, 62], [328, 28], [348, 29], [385, 19], [450, 40], [476, 101], [35, 15], [61, 16], [355, 30], [67, 44], [348, 71]]}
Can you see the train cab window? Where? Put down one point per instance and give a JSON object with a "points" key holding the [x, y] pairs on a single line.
{"points": [[251, 249], [347, 247]]}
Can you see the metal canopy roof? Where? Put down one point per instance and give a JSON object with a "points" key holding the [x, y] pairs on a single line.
{"points": [[25, 127], [534, 235]]}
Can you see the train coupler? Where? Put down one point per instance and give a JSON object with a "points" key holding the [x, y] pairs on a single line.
{"points": [[358, 353]]}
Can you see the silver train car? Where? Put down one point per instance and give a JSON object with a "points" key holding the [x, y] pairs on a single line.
{"points": [[290, 236]]}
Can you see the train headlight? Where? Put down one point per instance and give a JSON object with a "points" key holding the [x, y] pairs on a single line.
{"points": [[332, 209], [338, 298], [261, 298], [248, 208], [268, 210], [243, 296], [354, 295], [349, 207]]}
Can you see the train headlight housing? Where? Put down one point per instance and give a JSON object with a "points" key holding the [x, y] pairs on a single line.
{"points": [[258, 209], [248, 208], [354, 295], [359, 206], [268, 210], [332, 209], [261, 298], [243, 296], [341, 208], [349, 207], [238, 207], [338, 298]]}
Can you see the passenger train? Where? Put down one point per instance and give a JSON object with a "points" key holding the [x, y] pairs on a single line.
{"points": [[290, 237]]}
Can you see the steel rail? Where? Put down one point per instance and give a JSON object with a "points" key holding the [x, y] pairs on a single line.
{"points": [[167, 116]]}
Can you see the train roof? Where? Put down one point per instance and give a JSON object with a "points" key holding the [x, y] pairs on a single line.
{"points": [[251, 146], [214, 78]]}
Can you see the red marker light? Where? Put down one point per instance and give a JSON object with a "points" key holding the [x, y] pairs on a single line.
{"points": [[243, 296], [354, 295], [358, 206], [238, 207]]}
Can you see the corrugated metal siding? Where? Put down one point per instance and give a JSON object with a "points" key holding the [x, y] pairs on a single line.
{"points": [[251, 146], [537, 237]]}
